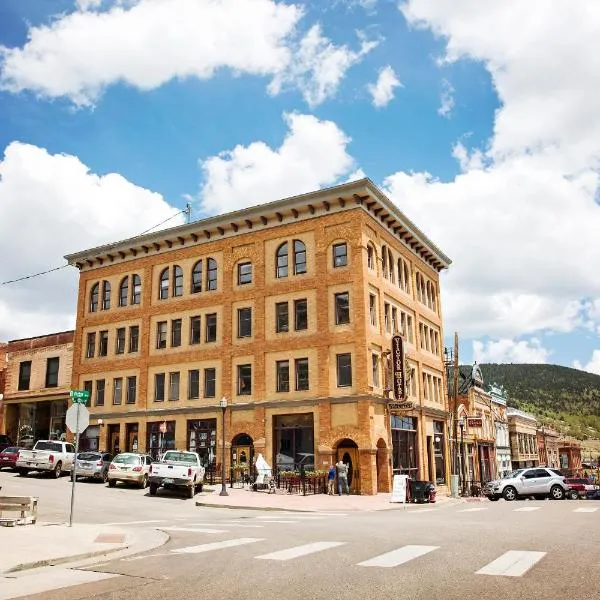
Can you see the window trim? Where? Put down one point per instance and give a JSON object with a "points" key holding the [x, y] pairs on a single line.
{"points": [[212, 274], [299, 248], [206, 326], [297, 301], [338, 358], [282, 328], [124, 291], [336, 298], [297, 362], [240, 391], [248, 321], [21, 388], [106, 292], [241, 275], [94, 297], [282, 264], [197, 273], [281, 387], [343, 245]]}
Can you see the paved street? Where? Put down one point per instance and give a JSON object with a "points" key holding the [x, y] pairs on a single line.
{"points": [[525, 549]]}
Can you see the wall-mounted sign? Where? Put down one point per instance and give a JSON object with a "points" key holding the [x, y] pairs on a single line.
{"points": [[400, 405], [474, 422], [398, 371]]}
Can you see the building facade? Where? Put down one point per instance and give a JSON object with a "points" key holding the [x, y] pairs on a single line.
{"points": [[569, 455], [3, 364], [548, 442], [38, 380], [287, 310], [522, 428], [503, 456]]}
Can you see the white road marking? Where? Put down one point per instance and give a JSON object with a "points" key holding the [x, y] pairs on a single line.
{"points": [[216, 545], [301, 517], [226, 524], [421, 510], [585, 510], [133, 522], [513, 563], [472, 509], [527, 509], [398, 557], [275, 521], [297, 551], [194, 529]]}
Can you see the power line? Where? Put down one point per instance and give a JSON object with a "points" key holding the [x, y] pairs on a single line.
{"points": [[34, 275]]}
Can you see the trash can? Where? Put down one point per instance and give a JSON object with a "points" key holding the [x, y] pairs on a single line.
{"points": [[419, 491]]}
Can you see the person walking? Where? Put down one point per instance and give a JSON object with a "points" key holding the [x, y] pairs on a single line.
{"points": [[331, 480], [342, 475]]}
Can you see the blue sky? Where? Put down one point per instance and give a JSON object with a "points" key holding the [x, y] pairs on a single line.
{"points": [[472, 178]]}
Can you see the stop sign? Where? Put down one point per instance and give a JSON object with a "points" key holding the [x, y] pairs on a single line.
{"points": [[71, 418]]}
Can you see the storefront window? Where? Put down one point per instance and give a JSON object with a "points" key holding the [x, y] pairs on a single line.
{"points": [[202, 438], [294, 442], [439, 453], [405, 446], [159, 442]]}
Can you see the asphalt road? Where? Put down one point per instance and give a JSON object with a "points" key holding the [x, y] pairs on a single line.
{"points": [[524, 549]]}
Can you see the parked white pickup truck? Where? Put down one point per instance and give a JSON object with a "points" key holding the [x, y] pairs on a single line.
{"points": [[47, 455], [177, 469]]}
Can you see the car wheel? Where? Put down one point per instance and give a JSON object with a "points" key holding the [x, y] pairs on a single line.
{"points": [[23, 472], [58, 470], [144, 482], [509, 493], [557, 493], [153, 489], [573, 494], [112, 483], [493, 498], [192, 491]]}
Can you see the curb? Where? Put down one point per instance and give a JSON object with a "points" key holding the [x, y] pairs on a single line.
{"points": [[264, 508]]}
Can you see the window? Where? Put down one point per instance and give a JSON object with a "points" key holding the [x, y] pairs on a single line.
{"points": [[177, 281], [375, 369], [174, 385], [195, 330], [87, 386], [117, 390], [294, 441], [405, 446], [211, 274], [384, 261], [281, 269], [439, 454], [193, 384], [100, 386], [283, 375], [244, 380], [244, 273], [197, 278], [90, 349], [159, 387], [134, 338], [120, 341], [391, 266], [394, 320], [211, 327], [244, 322], [161, 334], [300, 314], [281, 317], [131, 389], [124, 291], [94, 293], [372, 310], [403, 275], [344, 370], [136, 289], [342, 308], [299, 257], [24, 375], [386, 316], [340, 255], [301, 367], [163, 292], [105, 295], [209, 383], [371, 257], [103, 344], [175, 333]]}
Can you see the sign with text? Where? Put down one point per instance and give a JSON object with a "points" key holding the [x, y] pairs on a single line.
{"points": [[401, 405], [79, 396], [398, 371], [399, 488], [474, 422]]}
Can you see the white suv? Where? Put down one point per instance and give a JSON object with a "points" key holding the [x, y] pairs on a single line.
{"points": [[537, 481]]}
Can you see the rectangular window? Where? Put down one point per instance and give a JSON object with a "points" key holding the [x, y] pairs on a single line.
{"points": [[372, 310], [117, 390], [87, 386], [120, 341], [195, 330], [90, 350], [344, 370], [134, 338], [175, 333], [174, 385], [100, 387], [131, 389], [210, 378], [244, 322], [193, 384], [394, 320], [283, 375], [387, 317], [340, 255], [136, 292], [300, 314], [161, 334], [211, 274], [281, 317], [299, 257], [375, 369], [342, 308], [103, 344], [211, 327], [244, 380], [159, 387], [301, 367], [244, 273], [24, 375]]}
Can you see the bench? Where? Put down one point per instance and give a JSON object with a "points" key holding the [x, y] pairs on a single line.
{"points": [[26, 505]]}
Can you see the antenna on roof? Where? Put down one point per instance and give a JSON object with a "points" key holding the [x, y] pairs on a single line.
{"points": [[188, 212]]}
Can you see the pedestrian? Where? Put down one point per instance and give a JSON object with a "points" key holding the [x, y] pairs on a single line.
{"points": [[342, 475], [331, 480]]}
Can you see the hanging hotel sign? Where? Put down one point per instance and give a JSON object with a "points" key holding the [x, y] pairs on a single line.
{"points": [[474, 422], [398, 370]]}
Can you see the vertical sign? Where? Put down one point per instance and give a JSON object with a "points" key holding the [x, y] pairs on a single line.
{"points": [[399, 382]]}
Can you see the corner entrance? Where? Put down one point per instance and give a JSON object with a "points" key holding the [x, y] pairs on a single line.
{"points": [[347, 452]]}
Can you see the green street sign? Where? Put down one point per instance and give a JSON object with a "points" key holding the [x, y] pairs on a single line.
{"points": [[79, 396]]}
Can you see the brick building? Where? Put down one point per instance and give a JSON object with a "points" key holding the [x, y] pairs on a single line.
{"points": [[548, 442], [569, 452], [287, 309], [3, 359], [522, 429]]}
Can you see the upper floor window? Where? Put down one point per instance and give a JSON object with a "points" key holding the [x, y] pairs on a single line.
{"points": [[175, 333], [24, 375], [211, 274], [161, 334], [342, 308], [384, 261], [375, 368], [281, 317], [159, 387], [340, 255], [211, 327], [105, 295], [177, 281], [244, 322], [301, 365], [371, 257], [391, 266], [100, 388], [91, 345], [403, 275], [210, 386], [244, 273], [120, 341], [163, 292], [94, 294], [195, 329], [134, 338], [124, 291], [136, 289], [244, 380], [283, 375], [300, 314], [103, 343], [372, 310], [197, 278], [344, 369], [299, 257], [131, 389], [282, 260]]}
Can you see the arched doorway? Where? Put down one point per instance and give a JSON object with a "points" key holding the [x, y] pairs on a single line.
{"points": [[242, 455], [347, 452], [383, 466]]}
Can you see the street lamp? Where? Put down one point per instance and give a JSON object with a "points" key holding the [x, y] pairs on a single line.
{"points": [[223, 405], [461, 424]]}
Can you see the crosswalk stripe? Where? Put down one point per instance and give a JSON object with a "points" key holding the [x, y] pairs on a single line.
{"points": [[297, 551], [527, 509], [275, 521], [216, 545], [194, 529], [422, 510], [586, 510], [227, 524], [398, 557], [300, 517], [513, 563], [135, 522], [472, 509]]}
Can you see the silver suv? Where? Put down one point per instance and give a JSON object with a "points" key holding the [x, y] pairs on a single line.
{"points": [[537, 481]]}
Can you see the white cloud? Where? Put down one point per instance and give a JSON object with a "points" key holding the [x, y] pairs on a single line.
{"points": [[74, 209], [313, 154], [593, 366], [382, 91], [446, 100], [510, 351]]}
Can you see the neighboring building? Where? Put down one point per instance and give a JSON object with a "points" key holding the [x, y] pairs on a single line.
{"points": [[569, 455], [522, 428], [503, 458], [287, 309], [3, 358], [38, 380], [548, 447]]}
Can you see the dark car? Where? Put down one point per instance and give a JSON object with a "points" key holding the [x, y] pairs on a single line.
{"points": [[8, 457], [92, 465], [5, 442]]}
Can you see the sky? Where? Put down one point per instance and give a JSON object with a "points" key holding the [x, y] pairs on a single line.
{"points": [[480, 119]]}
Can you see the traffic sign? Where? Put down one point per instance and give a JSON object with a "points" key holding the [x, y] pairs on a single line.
{"points": [[75, 423], [79, 396]]}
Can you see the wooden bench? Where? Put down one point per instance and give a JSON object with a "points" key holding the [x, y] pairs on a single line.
{"points": [[26, 505]]}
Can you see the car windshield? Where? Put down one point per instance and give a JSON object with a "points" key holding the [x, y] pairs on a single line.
{"points": [[11, 450], [127, 459], [52, 446], [180, 457], [514, 474], [89, 456]]}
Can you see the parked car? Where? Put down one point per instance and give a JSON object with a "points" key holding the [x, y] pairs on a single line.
{"points": [[576, 489], [26, 441], [129, 467], [5, 442], [92, 465], [8, 457], [537, 482], [178, 469], [47, 455]]}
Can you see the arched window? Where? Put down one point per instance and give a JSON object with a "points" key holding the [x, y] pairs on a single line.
{"points": [[136, 289], [211, 274], [177, 281], [163, 292], [299, 257], [384, 258], [94, 293], [419, 287], [407, 283], [197, 277], [371, 257], [105, 295], [124, 291], [282, 261], [391, 265]]}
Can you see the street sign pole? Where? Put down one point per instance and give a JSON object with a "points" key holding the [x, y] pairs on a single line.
{"points": [[74, 478]]}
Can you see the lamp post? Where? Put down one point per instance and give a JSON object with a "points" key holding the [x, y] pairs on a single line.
{"points": [[461, 424], [223, 405]]}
